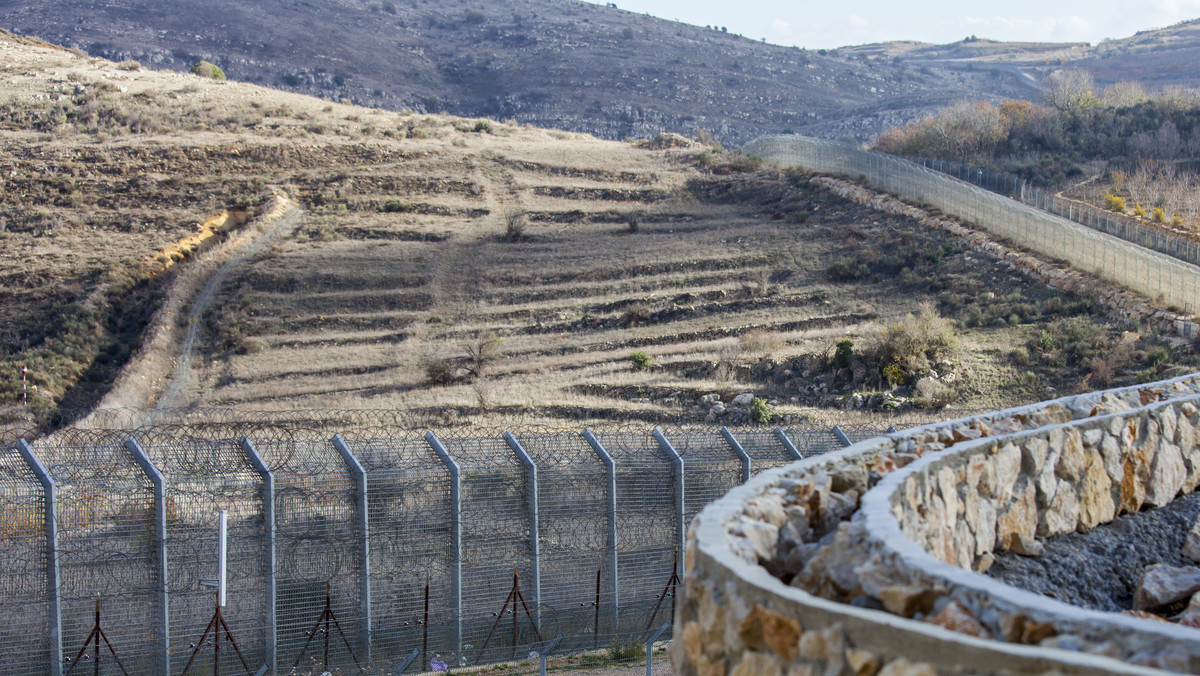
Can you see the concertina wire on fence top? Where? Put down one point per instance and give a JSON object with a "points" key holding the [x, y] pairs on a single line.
{"points": [[1166, 278], [352, 545]]}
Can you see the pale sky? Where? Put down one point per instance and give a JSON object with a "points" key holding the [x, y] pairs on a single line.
{"points": [[822, 25]]}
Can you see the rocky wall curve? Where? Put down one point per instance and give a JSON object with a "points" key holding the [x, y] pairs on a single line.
{"points": [[860, 561]]}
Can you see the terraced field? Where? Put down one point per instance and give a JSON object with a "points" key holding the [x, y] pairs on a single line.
{"points": [[405, 272], [465, 270]]}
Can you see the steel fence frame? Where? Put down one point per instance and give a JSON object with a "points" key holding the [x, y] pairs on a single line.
{"points": [[592, 523]]}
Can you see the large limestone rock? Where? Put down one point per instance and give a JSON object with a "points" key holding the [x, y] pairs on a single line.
{"points": [[1096, 504], [1019, 517], [1162, 585], [1167, 475]]}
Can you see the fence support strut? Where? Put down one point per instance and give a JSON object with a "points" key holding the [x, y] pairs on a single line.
{"points": [[535, 549], [50, 514], [456, 608], [364, 535], [737, 449], [610, 469], [160, 541], [268, 498]]}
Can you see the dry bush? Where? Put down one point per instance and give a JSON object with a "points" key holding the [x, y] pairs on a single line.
{"points": [[129, 65], [932, 393], [515, 222], [911, 345], [761, 343], [482, 353]]}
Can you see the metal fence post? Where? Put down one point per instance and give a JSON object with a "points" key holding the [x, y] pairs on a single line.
{"points": [[268, 507], [680, 524], [455, 536], [535, 547], [741, 452], [610, 469], [650, 647], [53, 593], [160, 537], [364, 533], [787, 444], [837, 432]]}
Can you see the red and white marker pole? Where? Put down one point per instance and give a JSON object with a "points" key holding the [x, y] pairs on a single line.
{"points": [[24, 389]]}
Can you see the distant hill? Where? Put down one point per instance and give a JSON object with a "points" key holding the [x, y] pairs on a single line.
{"points": [[579, 66]]}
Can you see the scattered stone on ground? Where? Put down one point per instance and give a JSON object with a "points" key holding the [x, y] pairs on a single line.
{"points": [[1101, 570]]}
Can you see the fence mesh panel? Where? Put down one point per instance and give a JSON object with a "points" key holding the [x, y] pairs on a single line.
{"points": [[410, 536], [573, 529], [107, 548], [317, 550], [495, 546], [646, 526], [202, 476], [25, 633], [764, 448]]}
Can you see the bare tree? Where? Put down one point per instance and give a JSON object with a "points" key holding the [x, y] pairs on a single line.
{"points": [[1069, 90]]}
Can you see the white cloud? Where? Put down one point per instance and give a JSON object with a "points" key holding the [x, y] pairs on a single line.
{"points": [[857, 21]]}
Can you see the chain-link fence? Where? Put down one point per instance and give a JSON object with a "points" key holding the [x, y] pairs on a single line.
{"points": [[1104, 220], [368, 548], [1166, 278]]}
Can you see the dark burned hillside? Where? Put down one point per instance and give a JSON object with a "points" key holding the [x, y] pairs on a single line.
{"points": [[567, 65]]}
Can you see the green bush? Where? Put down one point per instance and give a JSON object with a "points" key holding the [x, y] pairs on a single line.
{"points": [[208, 70], [843, 352], [641, 361], [761, 412]]}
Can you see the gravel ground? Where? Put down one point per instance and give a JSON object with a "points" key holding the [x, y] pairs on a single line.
{"points": [[1101, 569]]}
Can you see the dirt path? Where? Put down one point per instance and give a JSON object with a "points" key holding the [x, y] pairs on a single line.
{"points": [[176, 393]]}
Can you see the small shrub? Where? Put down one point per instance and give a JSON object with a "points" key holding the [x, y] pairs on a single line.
{"points": [[798, 217], [633, 221], [640, 361], [1177, 221], [761, 412], [1156, 356], [482, 127], [1114, 203], [932, 393], [482, 352], [514, 225], [208, 70], [1138, 210], [389, 7], [129, 65], [438, 372], [1158, 215], [893, 374], [475, 17], [843, 352], [627, 33], [1020, 356]]}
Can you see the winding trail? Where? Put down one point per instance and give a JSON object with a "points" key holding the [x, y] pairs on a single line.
{"points": [[176, 393]]}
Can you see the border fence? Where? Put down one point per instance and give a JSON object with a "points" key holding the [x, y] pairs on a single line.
{"points": [[1167, 278], [354, 544], [1112, 223]]}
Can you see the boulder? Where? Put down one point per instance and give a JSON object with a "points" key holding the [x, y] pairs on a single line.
{"points": [[1162, 585], [744, 399]]}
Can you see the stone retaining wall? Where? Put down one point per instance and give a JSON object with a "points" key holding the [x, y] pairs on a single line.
{"points": [[875, 544]]}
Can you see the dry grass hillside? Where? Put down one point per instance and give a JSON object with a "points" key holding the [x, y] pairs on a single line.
{"points": [[460, 269]]}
